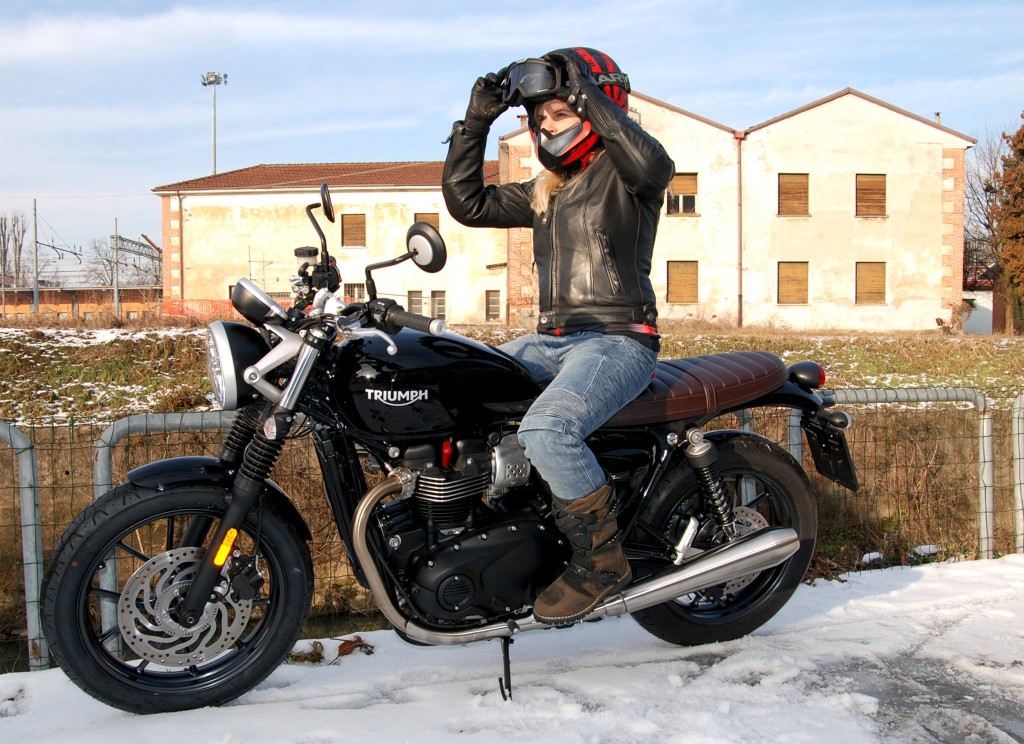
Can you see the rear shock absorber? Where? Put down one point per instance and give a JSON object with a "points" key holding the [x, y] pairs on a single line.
{"points": [[703, 458]]}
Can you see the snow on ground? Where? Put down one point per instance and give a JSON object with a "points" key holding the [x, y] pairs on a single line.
{"points": [[927, 654]]}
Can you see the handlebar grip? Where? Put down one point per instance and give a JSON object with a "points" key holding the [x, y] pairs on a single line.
{"points": [[417, 322]]}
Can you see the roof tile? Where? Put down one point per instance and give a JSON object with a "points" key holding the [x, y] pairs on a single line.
{"points": [[310, 175]]}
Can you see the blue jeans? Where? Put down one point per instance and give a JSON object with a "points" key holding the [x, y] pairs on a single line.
{"points": [[592, 376]]}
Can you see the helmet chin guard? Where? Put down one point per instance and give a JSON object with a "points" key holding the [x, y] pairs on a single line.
{"points": [[565, 149]]}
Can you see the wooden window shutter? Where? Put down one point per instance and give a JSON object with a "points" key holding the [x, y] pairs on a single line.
{"points": [[793, 194], [353, 229], [684, 183], [870, 195], [682, 194], [870, 283], [682, 282], [431, 218], [792, 282]]}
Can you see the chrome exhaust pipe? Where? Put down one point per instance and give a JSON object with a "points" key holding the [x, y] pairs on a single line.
{"points": [[749, 554]]}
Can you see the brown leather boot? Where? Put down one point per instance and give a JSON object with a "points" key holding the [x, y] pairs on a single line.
{"points": [[598, 567]]}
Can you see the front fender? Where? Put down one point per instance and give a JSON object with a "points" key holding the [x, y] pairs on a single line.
{"points": [[176, 472]]}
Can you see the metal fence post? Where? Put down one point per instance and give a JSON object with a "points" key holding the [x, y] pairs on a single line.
{"points": [[31, 543], [1017, 429]]}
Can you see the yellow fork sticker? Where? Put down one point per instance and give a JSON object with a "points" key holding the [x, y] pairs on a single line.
{"points": [[225, 547]]}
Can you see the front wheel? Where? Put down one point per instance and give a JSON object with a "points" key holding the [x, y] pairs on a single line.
{"points": [[767, 489], [114, 581]]}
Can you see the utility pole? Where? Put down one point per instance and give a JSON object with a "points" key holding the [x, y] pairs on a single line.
{"points": [[35, 259], [117, 291]]}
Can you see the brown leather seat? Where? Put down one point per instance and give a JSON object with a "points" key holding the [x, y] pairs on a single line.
{"points": [[695, 386]]}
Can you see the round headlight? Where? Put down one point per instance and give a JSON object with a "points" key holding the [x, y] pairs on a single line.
{"points": [[230, 349]]}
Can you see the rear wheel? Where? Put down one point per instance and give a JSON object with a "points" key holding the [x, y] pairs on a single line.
{"points": [[767, 489], [118, 574]]}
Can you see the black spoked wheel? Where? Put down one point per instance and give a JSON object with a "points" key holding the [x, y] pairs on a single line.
{"points": [[767, 489], [114, 582]]}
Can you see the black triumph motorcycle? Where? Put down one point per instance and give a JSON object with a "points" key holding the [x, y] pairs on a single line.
{"points": [[188, 584]]}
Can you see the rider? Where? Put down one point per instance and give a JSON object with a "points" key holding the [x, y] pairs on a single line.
{"points": [[594, 212]]}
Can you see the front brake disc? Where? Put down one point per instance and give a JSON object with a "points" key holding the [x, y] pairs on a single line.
{"points": [[147, 618]]}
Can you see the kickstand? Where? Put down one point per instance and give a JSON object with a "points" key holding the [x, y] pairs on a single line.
{"points": [[505, 685]]}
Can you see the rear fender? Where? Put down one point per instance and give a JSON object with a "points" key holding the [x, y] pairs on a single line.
{"points": [[176, 472]]}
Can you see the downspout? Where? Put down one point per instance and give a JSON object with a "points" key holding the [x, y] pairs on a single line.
{"points": [[739, 137]]}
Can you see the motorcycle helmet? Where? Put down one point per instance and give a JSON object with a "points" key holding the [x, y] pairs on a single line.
{"points": [[575, 146]]}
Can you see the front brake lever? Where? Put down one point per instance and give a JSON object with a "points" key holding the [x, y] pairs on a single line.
{"points": [[356, 332]]}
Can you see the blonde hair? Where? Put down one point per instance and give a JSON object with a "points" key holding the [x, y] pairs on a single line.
{"points": [[545, 186], [548, 183]]}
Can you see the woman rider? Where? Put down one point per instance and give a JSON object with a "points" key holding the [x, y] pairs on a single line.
{"points": [[594, 212]]}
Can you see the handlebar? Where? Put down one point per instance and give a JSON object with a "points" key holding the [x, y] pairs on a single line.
{"points": [[415, 321]]}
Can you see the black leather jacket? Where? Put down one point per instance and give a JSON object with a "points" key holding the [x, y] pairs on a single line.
{"points": [[593, 246]]}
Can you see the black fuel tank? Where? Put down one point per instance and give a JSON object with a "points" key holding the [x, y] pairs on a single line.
{"points": [[433, 387]]}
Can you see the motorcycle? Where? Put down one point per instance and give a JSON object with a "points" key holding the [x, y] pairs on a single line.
{"points": [[189, 583]]}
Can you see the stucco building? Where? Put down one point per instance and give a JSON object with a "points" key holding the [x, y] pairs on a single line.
{"points": [[846, 213]]}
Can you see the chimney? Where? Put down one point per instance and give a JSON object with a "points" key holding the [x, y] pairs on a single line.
{"points": [[522, 120], [938, 117]]}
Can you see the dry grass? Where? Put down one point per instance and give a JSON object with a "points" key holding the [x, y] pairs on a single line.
{"points": [[918, 464]]}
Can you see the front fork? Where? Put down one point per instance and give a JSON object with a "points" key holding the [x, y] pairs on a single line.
{"points": [[257, 463]]}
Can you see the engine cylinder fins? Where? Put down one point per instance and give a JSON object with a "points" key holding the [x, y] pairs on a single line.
{"points": [[447, 499]]}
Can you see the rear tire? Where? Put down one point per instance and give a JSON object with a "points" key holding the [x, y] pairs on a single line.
{"points": [[115, 635], [779, 491]]}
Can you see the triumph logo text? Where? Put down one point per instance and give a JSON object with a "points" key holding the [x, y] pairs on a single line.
{"points": [[396, 397]]}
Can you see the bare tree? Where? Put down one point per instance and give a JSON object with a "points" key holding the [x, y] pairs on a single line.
{"points": [[5, 244], [99, 267], [984, 164], [18, 227], [132, 269]]}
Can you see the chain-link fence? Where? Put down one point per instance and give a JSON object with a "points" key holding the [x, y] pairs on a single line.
{"points": [[939, 479]]}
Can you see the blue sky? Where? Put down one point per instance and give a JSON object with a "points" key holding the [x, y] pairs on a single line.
{"points": [[102, 101]]}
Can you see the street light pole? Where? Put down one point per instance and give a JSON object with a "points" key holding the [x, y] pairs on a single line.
{"points": [[213, 79]]}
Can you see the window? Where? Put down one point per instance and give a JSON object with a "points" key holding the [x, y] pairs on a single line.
{"points": [[431, 218], [792, 283], [793, 194], [682, 194], [353, 229], [870, 283], [414, 301], [437, 309], [493, 310], [870, 195], [682, 282], [355, 292]]}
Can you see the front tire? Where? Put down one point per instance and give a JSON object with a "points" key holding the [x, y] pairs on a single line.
{"points": [[113, 581], [774, 491]]}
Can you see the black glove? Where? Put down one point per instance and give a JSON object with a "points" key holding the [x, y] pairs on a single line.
{"points": [[579, 76], [485, 102]]}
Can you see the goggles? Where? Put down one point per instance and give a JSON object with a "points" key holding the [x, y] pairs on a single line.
{"points": [[529, 79]]}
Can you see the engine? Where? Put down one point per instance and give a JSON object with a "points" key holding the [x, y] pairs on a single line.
{"points": [[473, 541]]}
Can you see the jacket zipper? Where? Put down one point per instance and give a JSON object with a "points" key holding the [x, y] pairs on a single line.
{"points": [[609, 262]]}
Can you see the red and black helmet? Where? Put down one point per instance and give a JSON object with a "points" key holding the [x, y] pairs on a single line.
{"points": [[574, 147], [609, 76]]}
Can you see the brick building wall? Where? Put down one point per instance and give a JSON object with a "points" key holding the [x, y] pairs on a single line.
{"points": [[954, 177], [521, 279]]}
